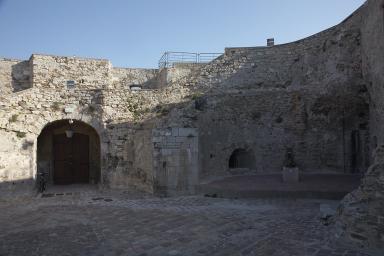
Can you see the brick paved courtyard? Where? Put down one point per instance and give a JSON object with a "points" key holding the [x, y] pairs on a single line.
{"points": [[116, 224]]}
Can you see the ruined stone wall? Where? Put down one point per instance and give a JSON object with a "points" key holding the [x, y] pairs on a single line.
{"points": [[15, 75], [361, 213], [373, 65], [54, 72], [270, 127], [179, 73], [308, 95], [101, 98], [291, 65], [123, 78], [23, 115]]}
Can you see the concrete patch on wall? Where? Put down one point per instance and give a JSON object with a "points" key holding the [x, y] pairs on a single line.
{"points": [[175, 160]]}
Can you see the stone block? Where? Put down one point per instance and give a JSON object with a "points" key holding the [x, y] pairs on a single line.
{"points": [[166, 152], [175, 131], [185, 132], [171, 139], [327, 210], [173, 145], [180, 139], [157, 139]]}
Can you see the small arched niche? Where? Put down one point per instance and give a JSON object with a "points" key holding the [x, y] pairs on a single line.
{"points": [[68, 151], [241, 159]]}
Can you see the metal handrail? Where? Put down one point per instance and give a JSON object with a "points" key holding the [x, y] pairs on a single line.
{"points": [[169, 59]]}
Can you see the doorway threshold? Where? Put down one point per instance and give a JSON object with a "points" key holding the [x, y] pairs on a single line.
{"points": [[70, 190]]}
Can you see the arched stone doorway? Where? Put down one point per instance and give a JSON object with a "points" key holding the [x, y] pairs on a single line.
{"points": [[241, 158], [69, 152]]}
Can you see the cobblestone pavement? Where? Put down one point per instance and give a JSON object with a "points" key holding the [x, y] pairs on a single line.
{"points": [[107, 224]]}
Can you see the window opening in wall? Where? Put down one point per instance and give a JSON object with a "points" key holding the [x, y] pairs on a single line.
{"points": [[71, 84], [135, 87]]}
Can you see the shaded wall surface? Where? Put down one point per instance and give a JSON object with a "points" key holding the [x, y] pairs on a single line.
{"points": [[309, 96], [361, 213]]}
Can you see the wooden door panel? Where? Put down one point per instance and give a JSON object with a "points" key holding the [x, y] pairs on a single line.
{"points": [[71, 159], [63, 173], [81, 158], [62, 150]]}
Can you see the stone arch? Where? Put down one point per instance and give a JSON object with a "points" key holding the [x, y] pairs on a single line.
{"points": [[69, 151], [242, 158]]}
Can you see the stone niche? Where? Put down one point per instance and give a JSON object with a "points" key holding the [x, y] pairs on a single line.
{"points": [[241, 161]]}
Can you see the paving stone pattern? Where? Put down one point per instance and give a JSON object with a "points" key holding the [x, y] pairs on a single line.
{"points": [[108, 224]]}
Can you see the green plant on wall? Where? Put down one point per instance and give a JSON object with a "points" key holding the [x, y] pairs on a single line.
{"points": [[13, 118], [91, 109], [21, 134], [196, 95], [56, 106], [135, 106], [162, 111]]}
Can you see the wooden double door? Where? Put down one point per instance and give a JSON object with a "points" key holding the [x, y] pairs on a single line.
{"points": [[71, 159]]}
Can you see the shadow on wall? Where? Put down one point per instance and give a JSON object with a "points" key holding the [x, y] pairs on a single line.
{"points": [[258, 72], [21, 76], [9, 190]]}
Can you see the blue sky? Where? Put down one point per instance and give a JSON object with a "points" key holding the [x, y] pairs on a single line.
{"points": [[135, 33]]}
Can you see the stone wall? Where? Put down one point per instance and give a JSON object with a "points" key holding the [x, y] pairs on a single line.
{"points": [[15, 75], [329, 58], [123, 78], [16, 164], [308, 95], [100, 97], [179, 73], [54, 72], [361, 213], [270, 122]]}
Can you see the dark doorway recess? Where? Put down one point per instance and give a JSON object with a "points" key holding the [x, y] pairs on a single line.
{"points": [[68, 151], [241, 158]]}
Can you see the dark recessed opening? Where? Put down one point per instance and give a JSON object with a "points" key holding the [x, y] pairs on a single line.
{"points": [[241, 158]]}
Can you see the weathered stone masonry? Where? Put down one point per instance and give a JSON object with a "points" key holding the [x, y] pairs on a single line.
{"points": [[320, 97], [362, 211], [101, 98]]}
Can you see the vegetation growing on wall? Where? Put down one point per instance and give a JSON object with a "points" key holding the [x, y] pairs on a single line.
{"points": [[13, 118]]}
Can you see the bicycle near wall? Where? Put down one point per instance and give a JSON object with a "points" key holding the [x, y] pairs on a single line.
{"points": [[42, 178]]}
